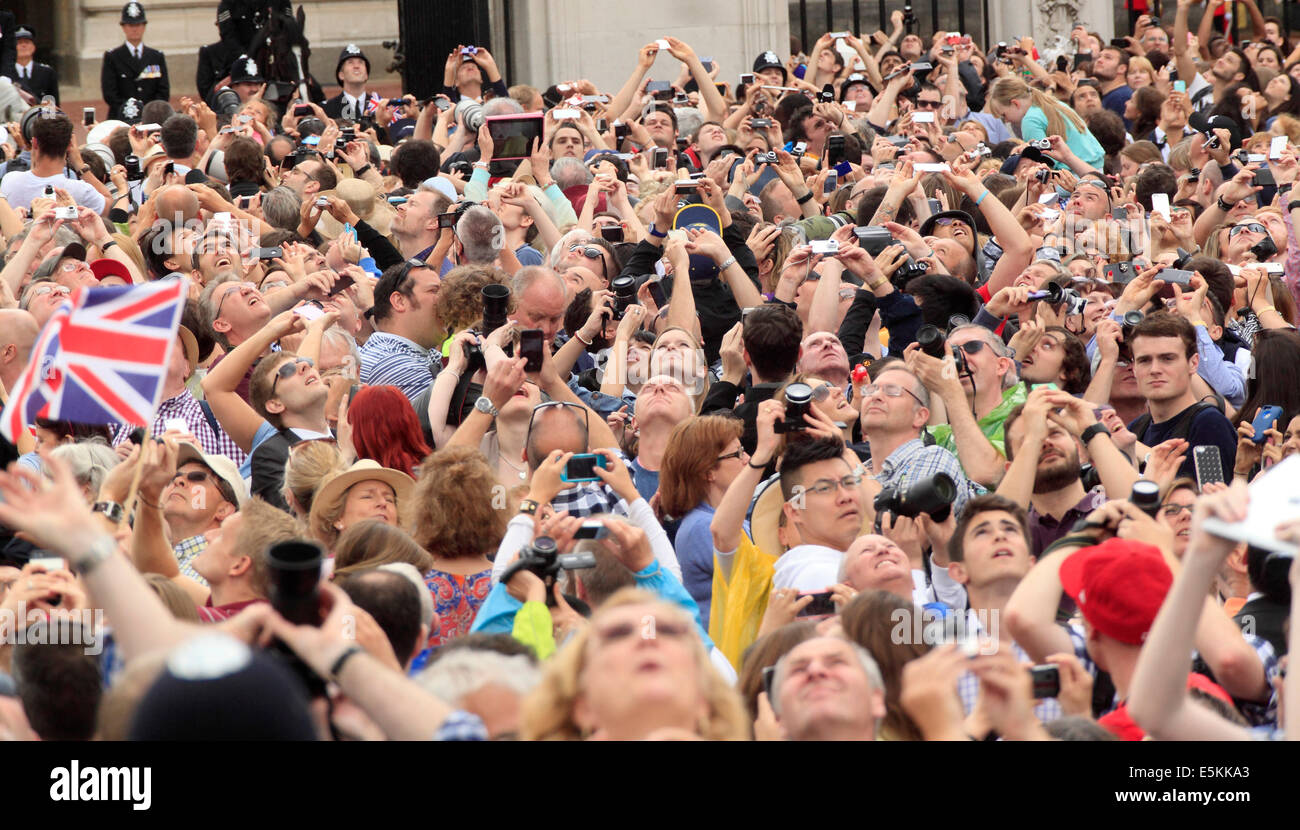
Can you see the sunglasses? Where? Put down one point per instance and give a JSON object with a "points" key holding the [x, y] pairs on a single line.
{"points": [[1253, 227], [199, 476], [928, 105], [288, 370], [589, 251], [972, 347]]}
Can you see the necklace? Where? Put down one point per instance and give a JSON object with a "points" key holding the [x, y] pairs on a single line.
{"points": [[523, 473]]}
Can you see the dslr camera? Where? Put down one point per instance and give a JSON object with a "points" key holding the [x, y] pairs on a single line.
{"points": [[933, 496], [798, 402], [543, 558]]}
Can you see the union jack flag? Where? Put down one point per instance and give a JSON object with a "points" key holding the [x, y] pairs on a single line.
{"points": [[102, 358]]}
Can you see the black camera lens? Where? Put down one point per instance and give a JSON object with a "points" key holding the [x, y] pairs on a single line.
{"points": [[624, 294], [544, 546], [496, 299], [931, 339], [1146, 497], [294, 569], [1131, 319], [798, 401], [933, 496]]}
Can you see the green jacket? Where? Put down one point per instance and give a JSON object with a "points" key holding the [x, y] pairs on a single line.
{"points": [[990, 424]]}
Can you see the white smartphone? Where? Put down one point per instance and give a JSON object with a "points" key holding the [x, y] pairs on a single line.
{"points": [[941, 167], [851, 106], [1276, 146], [662, 44], [1160, 204], [49, 563], [566, 115], [176, 425], [922, 117], [1047, 198], [309, 312]]}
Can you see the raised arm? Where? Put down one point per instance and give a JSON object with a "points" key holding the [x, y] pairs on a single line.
{"points": [[236, 417], [623, 99]]}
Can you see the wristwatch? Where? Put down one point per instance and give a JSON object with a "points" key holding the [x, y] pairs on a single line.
{"points": [[111, 509], [1224, 206], [1092, 432], [485, 406]]}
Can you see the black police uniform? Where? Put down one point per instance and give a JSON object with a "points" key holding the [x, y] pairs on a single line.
{"points": [[334, 106], [8, 43], [238, 21], [214, 64], [39, 79], [125, 76]]}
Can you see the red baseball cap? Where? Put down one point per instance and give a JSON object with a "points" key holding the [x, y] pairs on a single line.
{"points": [[1119, 586], [110, 268]]}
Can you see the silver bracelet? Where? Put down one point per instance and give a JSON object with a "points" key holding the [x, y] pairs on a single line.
{"points": [[725, 265]]}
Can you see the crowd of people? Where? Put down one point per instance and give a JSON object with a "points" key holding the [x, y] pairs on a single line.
{"points": [[903, 388]]}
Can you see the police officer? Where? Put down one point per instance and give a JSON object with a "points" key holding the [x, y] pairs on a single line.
{"points": [[39, 79], [352, 72], [133, 70]]}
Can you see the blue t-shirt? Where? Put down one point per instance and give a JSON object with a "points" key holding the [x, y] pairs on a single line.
{"points": [[1115, 101], [646, 481], [528, 255], [1034, 126], [1209, 427], [694, 546]]}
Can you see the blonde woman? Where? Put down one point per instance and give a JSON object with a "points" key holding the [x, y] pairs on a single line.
{"points": [[615, 681], [1038, 115]]}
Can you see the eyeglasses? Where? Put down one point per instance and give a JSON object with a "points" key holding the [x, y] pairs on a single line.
{"points": [[1253, 227], [224, 297], [891, 390], [928, 105], [74, 265], [288, 370], [740, 453], [823, 486], [1171, 511], [42, 290]]}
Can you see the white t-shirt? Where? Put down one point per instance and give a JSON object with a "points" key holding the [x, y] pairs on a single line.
{"points": [[21, 188], [809, 568]]}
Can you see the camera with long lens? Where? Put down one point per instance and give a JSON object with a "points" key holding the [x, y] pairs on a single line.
{"points": [[909, 17], [624, 295], [543, 558], [294, 574], [1056, 295], [933, 496], [1145, 496], [1131, 320], [798, 402], [470, 113], [225, 101], [932, 340], [496, 302]]}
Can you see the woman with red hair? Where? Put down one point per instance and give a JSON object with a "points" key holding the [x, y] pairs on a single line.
{"points": [[386, 429]]}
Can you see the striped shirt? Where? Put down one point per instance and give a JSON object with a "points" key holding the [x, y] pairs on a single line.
{"points": [[392, 360]]}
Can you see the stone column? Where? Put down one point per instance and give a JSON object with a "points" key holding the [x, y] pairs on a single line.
{"points": [[576, 39], [1048, 19]]}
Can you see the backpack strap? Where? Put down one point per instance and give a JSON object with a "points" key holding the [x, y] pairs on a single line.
{"points": [[210, 417]]}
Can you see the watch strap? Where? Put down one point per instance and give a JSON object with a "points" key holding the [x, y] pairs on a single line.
{"points": [[111, 509], [1092, 432]]}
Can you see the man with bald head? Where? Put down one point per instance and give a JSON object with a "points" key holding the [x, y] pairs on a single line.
{"points": [[177, 204], [18, 331], [541, 298]]}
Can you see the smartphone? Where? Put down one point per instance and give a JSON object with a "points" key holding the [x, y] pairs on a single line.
{"points": [[176, 425], [659, 90], [1264, 176], [769, 676], [582, 467], [919, 117], [301, 110], [442, 103], [1276, 146], [591, 530], [621, 131], [530, 348], [1172, 277], [1119, 42], [602, 125], [1119, 214], [1160, 204], [831, 183], [722, 89], [763, 124], [343, 283], [661, 158], [88, 116], [1264, 421], [309, 311], [686, 186], [49, 563], [1209, 465], [931, 167], [611, 233], [566, 114], [1046, 680], [746, 78], [447, 220], [1180, 86], [657, 293], [821, 605], [1081, 58], [834, 150]]}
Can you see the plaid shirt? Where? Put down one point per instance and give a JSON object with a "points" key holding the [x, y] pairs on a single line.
{"points": [[186, 550], [1047, 709], [914, 461], [187, 407], [592, 497], [391, 360]]}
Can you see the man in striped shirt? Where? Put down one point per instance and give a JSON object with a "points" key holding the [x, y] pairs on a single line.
{"points": [[400, 352]]}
